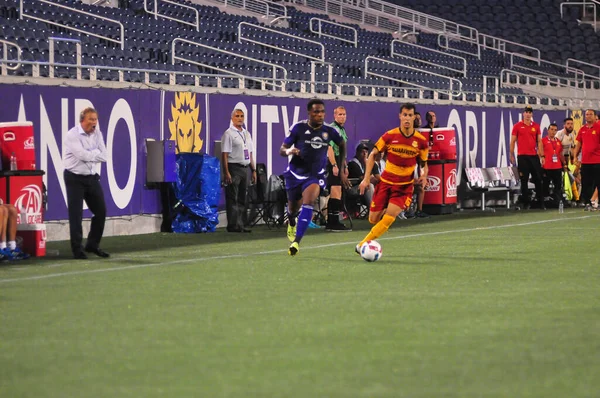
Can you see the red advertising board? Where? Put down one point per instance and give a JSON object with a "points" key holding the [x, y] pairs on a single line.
{"points": [[441, 183]]}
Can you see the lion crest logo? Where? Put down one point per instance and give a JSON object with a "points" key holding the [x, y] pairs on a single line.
{"points": [[185, 126]]}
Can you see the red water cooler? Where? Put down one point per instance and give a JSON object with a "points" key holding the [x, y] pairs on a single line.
{"points": [[23, 187], [441, 191], [17, 138]]}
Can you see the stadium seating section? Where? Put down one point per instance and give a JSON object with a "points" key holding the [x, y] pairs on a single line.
{"points": [[148, 45]]}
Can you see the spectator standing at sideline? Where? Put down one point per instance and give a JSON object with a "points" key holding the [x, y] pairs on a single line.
{"points": [[588, 143], [335, 177], [566, 136], [417, 123], [553, 163], [431, 119], [307, 144], [236, 158], [84, 152], [528, 135]]}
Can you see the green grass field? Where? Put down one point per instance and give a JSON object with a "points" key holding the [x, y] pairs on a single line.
{"points": [[500, 304]]}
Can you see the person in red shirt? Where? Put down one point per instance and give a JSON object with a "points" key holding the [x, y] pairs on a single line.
{"points": [[588, 142], [528, 135], [553, 163]]}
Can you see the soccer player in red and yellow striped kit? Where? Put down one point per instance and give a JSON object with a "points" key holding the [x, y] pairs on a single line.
{"points": [[405, 147]]}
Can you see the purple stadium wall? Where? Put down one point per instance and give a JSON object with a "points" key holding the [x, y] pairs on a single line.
{"points": [[128, 117]]}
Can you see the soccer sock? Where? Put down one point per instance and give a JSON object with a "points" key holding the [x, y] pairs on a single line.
{"points": [[303, 221], [3, 245], [379, 229], [333, 211], [292, 218], [12, 245]]}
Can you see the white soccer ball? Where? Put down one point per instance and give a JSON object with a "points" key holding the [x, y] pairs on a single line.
{"points": [[371, 251]]}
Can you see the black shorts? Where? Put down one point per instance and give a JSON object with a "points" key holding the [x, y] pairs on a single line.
{"points": [[333, 180]]}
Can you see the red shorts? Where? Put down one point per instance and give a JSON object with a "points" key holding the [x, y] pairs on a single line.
{"points": [[400, 195]]}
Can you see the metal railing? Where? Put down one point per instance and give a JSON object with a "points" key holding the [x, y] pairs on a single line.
{"points": [[499, 45], [319, 31], [262, 7], [313, 75], [429, 22], [584, 13], [452, 91], [574, 81], [462, 71], [392, 93], [77, 42], [448, 39], [269, 81], [512, 78], [5, 65], [157, 14], [30, 16], [389, 16], [571, 61], [241, 38]]}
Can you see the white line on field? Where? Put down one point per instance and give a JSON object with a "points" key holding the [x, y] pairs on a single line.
{"points": [[95, 271]]}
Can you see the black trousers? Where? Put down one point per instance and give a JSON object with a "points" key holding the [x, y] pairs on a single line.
{"points": [[530, 165], [590, 180], [88, 188], [556, 177], [235, 197]]}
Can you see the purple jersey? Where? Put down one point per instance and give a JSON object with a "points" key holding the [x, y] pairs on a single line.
{"points": [[313, 144]]}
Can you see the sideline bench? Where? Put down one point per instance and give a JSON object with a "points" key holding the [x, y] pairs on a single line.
{"points": [[482, 181]]}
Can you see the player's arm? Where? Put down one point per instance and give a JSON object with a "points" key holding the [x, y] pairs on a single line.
{"points": [[513, 141], [368, 169], [425, 172], [344, 171], [286, 148], [227, 147], [332, 162], [576, 151], [540, 146]]}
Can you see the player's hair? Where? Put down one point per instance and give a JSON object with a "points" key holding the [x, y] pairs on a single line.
{"points": [[312, 102], [339, 107], [408, 106], [429, 116], [567, 119], [84, 113], [236, 110], [553, 124]]}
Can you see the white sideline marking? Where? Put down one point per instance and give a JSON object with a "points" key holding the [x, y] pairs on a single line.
{"points": [[95, 271]]}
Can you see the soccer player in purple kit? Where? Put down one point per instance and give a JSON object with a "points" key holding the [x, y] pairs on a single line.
{"points": [[307, 144]]}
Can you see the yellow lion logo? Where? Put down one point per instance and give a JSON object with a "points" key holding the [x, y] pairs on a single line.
{"points": [[185, 127], [577, 116]]}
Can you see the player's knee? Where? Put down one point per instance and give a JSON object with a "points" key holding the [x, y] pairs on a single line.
{"points": [[374, 218], [12, 210]]}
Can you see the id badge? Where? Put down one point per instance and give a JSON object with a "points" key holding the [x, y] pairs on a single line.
{"points": [[246, 154], [554, 158]]}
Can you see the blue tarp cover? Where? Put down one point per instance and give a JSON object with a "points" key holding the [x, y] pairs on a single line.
{"points": [[198, 188]]}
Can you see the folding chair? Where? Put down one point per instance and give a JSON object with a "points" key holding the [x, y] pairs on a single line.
{"points": [[256, 196], [354, 202], [275, 203]]}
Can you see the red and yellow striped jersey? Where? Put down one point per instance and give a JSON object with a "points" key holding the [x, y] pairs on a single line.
{"points": [[402, 153]]}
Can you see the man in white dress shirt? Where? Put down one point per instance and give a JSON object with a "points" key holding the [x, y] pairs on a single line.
{"points": [[236, 158], [84, 151]]}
